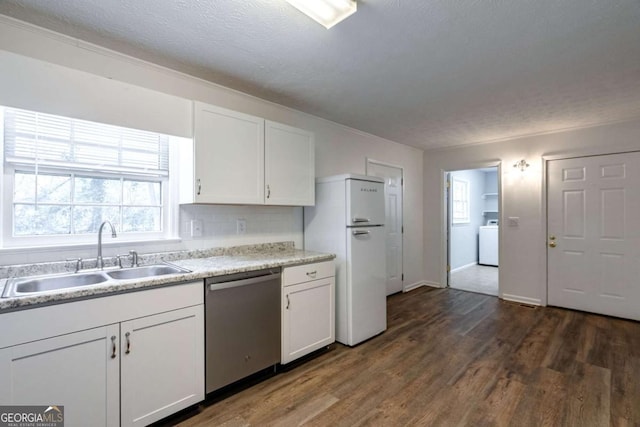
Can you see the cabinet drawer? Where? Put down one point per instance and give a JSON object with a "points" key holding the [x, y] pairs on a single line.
{"points": [[307, 272]]}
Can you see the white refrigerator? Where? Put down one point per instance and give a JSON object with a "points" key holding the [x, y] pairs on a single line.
{"points": [[348, 220]]}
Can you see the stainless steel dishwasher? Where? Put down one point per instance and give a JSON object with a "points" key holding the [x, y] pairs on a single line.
{"points": [[242, 326]]}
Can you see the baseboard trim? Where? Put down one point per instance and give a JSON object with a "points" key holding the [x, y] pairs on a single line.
{"points": [[521, 299], [463, 267], [423, 283], [416, 285]]}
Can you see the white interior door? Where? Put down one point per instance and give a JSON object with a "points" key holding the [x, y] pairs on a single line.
{"points": [[593, 251], [393, 221]]}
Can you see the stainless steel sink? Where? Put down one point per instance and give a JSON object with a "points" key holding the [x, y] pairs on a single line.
{"points": [[145, 271], [34, 285], [24, 286]]}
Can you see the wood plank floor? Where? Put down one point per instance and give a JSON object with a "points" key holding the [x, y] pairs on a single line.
{"points": [[455, 358]]}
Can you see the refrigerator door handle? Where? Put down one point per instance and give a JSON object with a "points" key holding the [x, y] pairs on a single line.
{"points": [[360, 232], [356, 219]]}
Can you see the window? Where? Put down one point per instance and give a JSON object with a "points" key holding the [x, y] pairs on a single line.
{"points": [[66, 176], [460, 201]]}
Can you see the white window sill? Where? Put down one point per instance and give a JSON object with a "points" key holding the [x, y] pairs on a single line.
{"points": [[106, 243]]}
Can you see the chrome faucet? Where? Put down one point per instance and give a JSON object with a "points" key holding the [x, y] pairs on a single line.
{"points": [[99, 260], [134, 258]]}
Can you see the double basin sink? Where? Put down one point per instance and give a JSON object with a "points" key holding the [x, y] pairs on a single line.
{"points": [[34, 285]]}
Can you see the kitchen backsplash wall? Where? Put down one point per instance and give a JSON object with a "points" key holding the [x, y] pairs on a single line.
{"points": [[264, 224]]}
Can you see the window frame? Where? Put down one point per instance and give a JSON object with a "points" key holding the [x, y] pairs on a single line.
{"points": [[168, 194], [465, 192]]}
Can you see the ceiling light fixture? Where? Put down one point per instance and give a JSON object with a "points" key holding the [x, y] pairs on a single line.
{"points": [[326, 12]]}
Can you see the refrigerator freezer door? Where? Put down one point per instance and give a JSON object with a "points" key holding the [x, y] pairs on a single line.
{"points": [[366, 289], [366, 205]]}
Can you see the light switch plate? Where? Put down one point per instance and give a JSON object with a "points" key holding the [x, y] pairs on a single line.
{"points": [[513, 221], [196, 228]]}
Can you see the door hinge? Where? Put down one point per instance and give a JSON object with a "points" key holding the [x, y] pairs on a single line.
{"points": [[402, 229], [402, 277], [448, 268], [401, 181], [448, 184]]}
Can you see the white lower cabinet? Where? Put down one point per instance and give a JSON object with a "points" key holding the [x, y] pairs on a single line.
{"points": [[308, 309], [128, 372], [161, 365], [75, 370]]}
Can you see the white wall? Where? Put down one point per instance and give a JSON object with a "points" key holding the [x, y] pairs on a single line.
{"points": [[464, 237], [522, 248], [338, 149]]}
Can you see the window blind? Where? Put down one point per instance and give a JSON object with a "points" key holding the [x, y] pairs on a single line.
{"points": [[45, 140]]}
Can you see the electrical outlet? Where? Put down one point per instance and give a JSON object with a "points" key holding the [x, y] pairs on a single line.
{"points": [[241, 226], [196, 228]]}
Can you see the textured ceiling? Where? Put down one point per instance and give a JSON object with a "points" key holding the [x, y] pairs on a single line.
{"points": [[427, 73]]}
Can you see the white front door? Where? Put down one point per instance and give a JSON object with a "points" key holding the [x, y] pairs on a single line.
{"points": [[393, 221], [593, 245]]}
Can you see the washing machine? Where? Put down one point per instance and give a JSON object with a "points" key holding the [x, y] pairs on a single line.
{"points": [[488, 245]]}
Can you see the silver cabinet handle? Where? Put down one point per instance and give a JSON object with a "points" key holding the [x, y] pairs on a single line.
{"points": [[199, 186], [288, 302], [128, 334], [268, 191], [312, 274], [360, 232], [113, 346], [356, 219]]}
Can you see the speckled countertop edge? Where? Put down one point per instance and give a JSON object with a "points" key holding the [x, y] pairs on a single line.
{"points": [[200, 268]]}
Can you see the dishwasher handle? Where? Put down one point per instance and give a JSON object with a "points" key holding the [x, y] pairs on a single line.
{"points": [[243, 282]]}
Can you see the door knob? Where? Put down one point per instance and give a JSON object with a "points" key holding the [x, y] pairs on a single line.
{"points": [[552, 244]]}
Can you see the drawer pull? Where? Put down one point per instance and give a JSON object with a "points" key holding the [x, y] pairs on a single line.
{"points": [[312, 274], [288, 302]]}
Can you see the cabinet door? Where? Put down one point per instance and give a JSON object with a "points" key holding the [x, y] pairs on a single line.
{"points": [[162, 365], [229, 156], [75, 370], [289, 166], [308, 312]]}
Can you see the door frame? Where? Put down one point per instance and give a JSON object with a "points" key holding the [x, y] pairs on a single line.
{"points": [[391, 165], [444, 211], [564, 155]]}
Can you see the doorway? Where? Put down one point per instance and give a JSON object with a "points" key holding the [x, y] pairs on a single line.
{"points": [[393, 186], [472, 230]]}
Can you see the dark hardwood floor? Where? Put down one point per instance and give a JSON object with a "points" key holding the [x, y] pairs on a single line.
{"points": [[454, 358]]}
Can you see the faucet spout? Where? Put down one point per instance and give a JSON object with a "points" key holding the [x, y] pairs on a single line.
{"points": [[99, 260]]}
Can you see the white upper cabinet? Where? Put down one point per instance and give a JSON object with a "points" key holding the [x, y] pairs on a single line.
{"points": [[243, 159], [289, 165], [228, 156]]}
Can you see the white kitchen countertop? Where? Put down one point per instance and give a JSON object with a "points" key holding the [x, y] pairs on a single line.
{"points": [[200, 268]]}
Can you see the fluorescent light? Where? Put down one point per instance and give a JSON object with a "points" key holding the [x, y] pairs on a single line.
{"points": [[326, 12]]}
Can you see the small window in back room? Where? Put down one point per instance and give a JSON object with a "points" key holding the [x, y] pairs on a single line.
{"points": [[460, 201], [64, 177]]}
